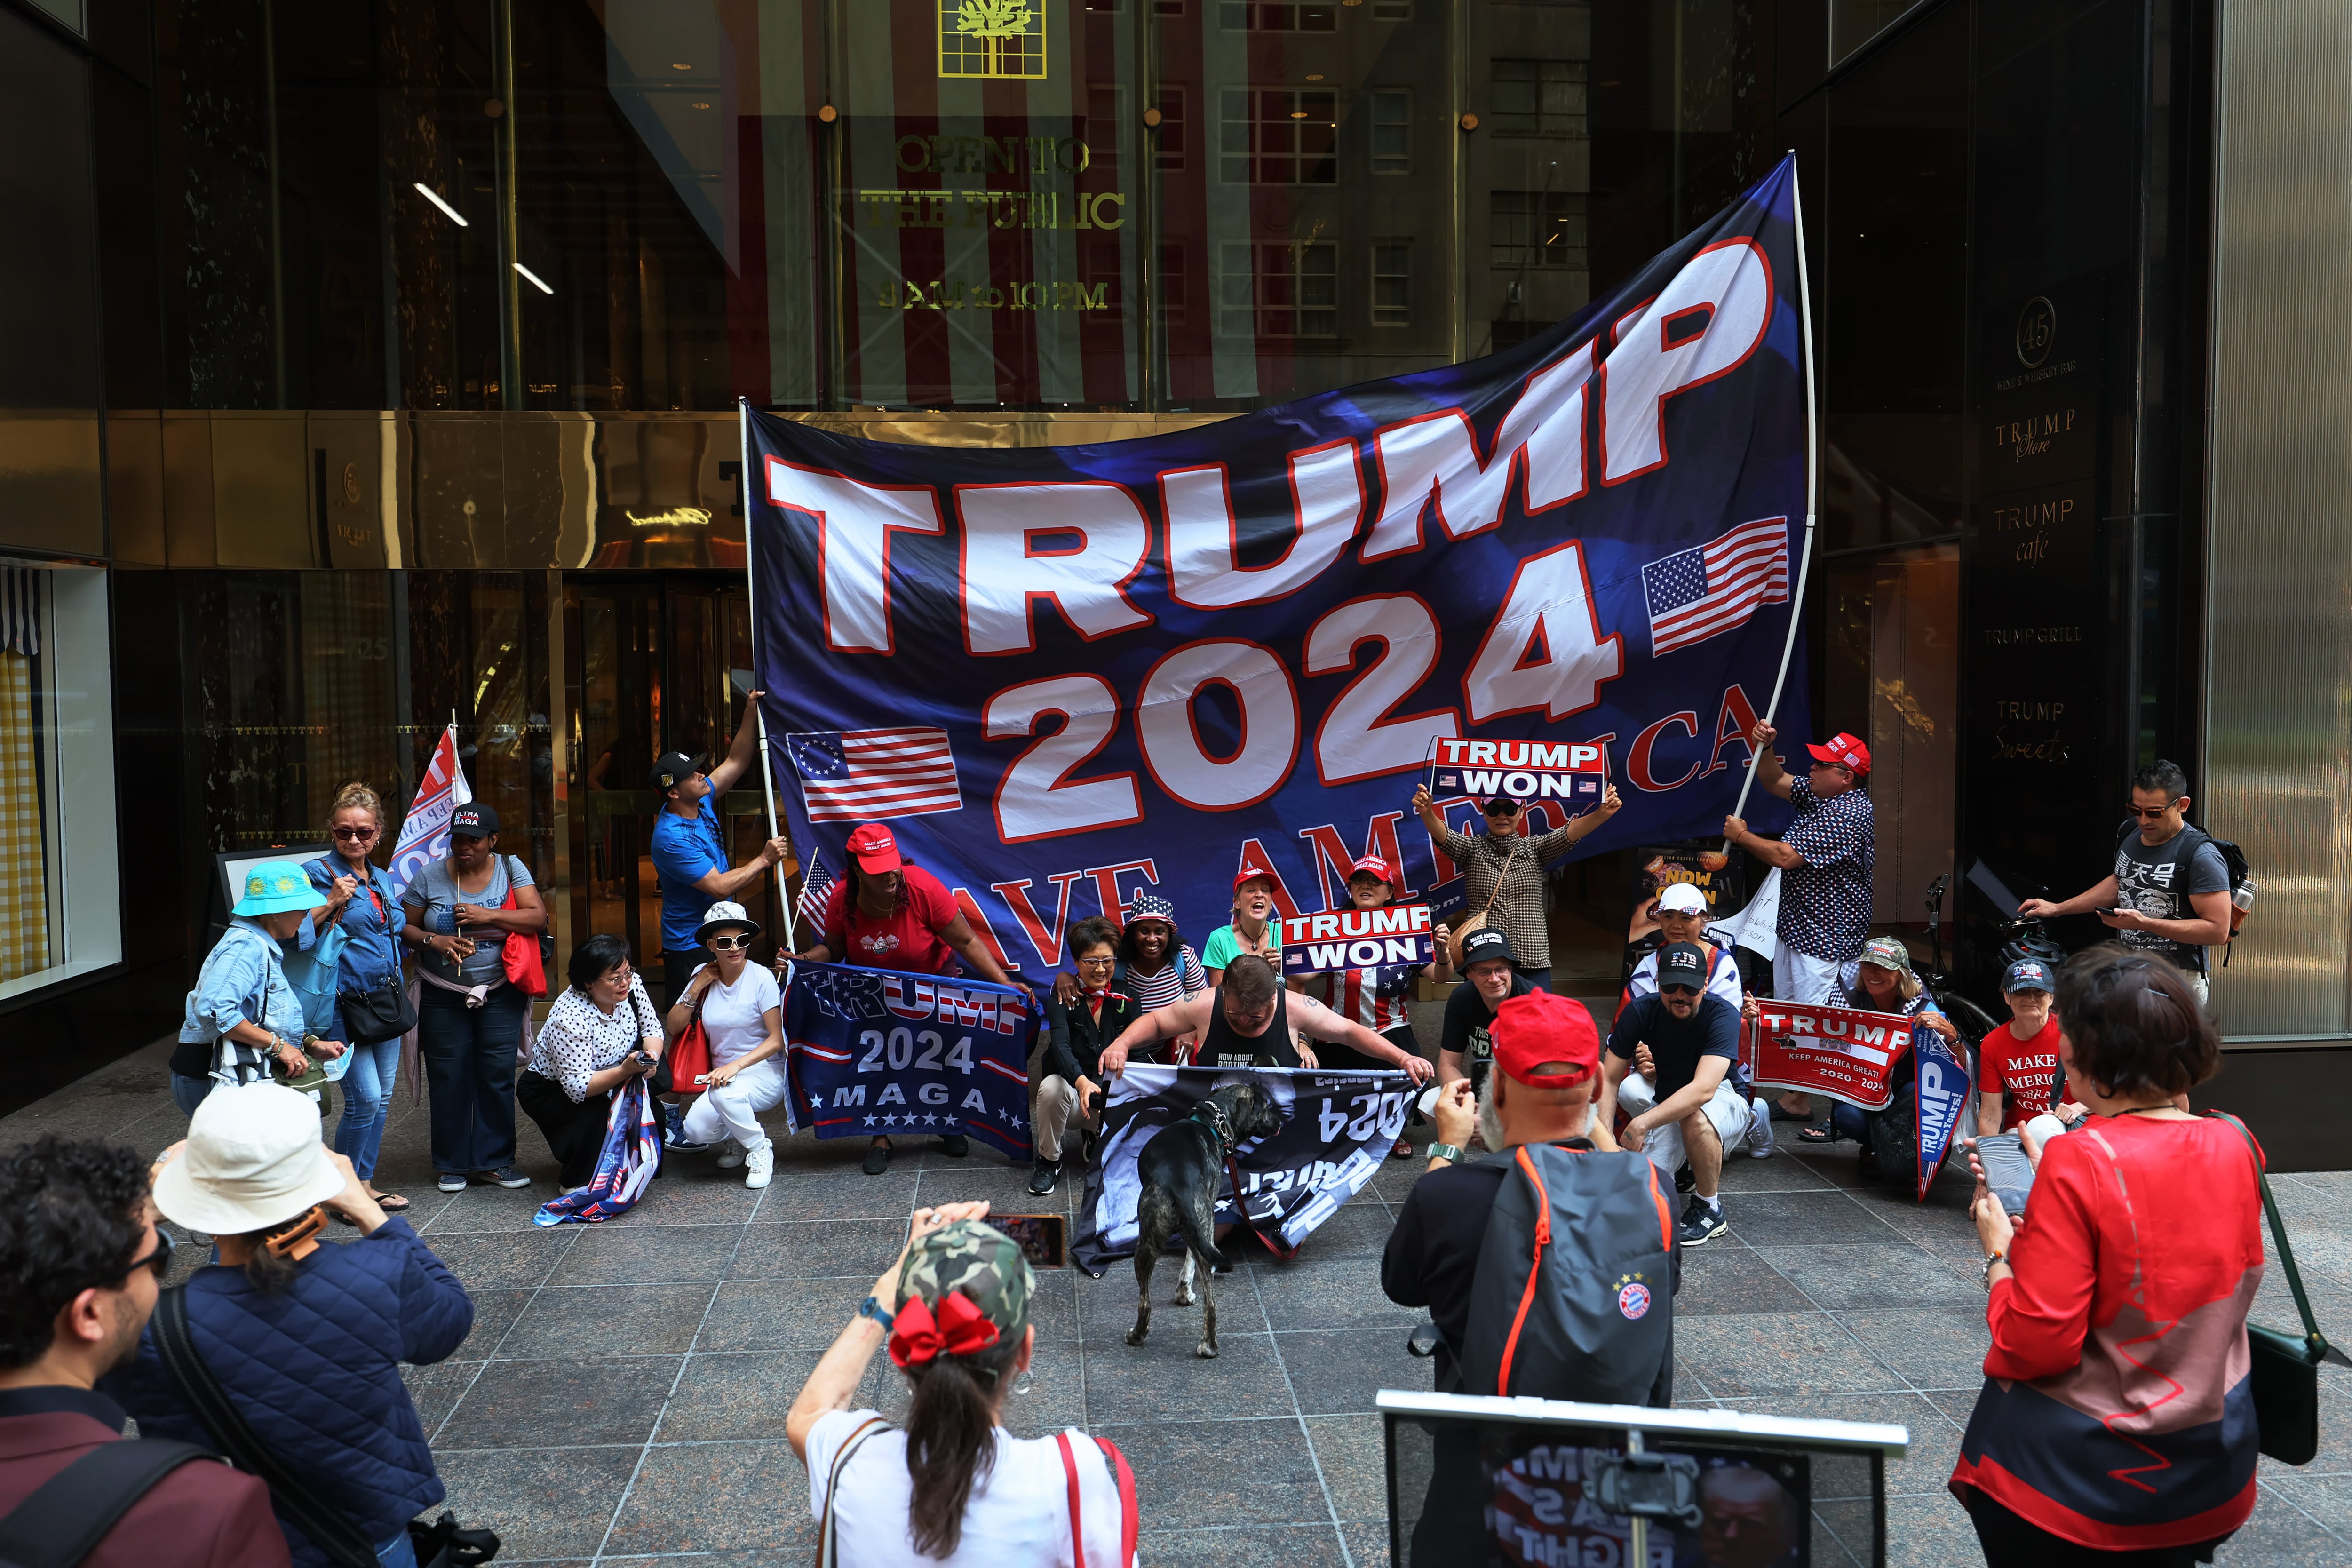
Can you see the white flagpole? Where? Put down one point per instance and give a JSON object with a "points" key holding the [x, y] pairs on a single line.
{"points": [[1805, 550], [767, 764]]}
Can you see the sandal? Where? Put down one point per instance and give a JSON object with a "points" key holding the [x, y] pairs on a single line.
{"points": [[1779, 1114], [1815, 1136], [391, 1203]]}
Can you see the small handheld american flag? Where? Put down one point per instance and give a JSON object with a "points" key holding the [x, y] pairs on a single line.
{"points": [[849, 775], [1698, 593], [817, 888]]}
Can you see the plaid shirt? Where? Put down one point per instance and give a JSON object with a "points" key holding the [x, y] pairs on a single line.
{"points": [[1520, 911]]}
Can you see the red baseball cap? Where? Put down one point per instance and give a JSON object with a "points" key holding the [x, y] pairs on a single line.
{"points": [[1251, 870], [1539, 1029], [1845, 751], [1371, 865], [873, 849]]}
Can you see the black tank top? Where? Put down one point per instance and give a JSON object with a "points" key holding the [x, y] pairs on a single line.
{"points": [[1221, 1047]]}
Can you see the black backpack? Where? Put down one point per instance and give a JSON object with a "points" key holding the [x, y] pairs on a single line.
{"points": [[2234, 862], [1575, 1289]]}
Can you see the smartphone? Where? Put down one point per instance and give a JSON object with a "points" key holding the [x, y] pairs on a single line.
{"points": [[2008, 1174], [701, 1080], [1040, 1235], [2102, 911]]}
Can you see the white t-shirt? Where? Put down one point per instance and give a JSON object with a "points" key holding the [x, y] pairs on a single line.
{"points": [[734, 1017], [1018, 1516]]}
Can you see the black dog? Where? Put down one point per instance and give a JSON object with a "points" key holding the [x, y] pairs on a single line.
{"points": [[1182, 1169]]}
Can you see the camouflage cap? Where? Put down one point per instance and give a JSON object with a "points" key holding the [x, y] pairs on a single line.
{"points": [[1887, 953], [978, 1259]]}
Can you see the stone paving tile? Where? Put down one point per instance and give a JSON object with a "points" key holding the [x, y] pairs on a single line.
{"points": [[717, 1498], [1163, 1380], [543, 1502], [1233, 1472], [644, 1254], [1803, 1219], [1326, 1293], [1888, 1274], [1353, 1453], [1260, 1546], [546, 1403], [645, 1319], [1930, 1347], [1724, 1276], [1775, 1356]]}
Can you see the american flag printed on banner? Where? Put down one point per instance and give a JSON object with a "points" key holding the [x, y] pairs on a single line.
{"points": [[1695, 594], [850, 775]]}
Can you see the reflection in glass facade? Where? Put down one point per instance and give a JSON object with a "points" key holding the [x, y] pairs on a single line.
{"points": [[1016, 204]]}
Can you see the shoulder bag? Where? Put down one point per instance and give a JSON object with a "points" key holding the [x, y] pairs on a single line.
{"points": [[828, 1549], [440, 1544], [2285, 1366], [1473, 919], [384, 1012], [688, 1057], [524, 954]]}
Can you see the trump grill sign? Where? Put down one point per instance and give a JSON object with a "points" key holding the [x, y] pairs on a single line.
{"points": [[1069, 676]]}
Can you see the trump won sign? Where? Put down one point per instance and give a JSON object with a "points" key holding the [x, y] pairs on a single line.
{"points": [[1357, 939], [1841, 1052], [1520, 770]]}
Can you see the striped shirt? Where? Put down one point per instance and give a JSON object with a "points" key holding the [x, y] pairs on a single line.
{"points": [[1175, 981], [1379, 999]]}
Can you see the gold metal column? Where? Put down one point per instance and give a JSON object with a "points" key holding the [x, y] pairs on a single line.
{"points": [[510, 385]]}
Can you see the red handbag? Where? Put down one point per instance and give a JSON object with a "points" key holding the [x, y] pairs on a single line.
{"points": [[526, 972], [688, 1057]]}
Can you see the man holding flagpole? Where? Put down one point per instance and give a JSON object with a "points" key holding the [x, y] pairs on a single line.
{"points": [[689, 848], [1824, 860]]}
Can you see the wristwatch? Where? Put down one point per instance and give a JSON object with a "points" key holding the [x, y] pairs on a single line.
{"points": [[1996, 1257], [873, 1308], [1446, 1151]]}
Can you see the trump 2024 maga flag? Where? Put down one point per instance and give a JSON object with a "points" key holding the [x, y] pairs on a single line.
{"points": [[1069, 675]]}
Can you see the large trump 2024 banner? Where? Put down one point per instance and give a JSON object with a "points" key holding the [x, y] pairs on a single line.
{"points": [[1068, 675]]}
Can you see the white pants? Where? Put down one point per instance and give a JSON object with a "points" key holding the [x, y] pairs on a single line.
{"points": [[1727, 1112], [732, 1109], [1802, 978]]}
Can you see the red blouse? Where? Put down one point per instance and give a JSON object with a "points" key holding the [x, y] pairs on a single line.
{"points": [[2117, 1411]]}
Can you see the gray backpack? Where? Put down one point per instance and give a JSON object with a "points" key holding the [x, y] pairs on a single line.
{"points": [[1574, 1295]]}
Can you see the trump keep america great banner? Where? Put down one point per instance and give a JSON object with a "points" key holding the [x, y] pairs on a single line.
{"points": [[1068, 675]]}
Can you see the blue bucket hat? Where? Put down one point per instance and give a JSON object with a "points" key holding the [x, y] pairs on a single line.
{"points": [[275, 885]]}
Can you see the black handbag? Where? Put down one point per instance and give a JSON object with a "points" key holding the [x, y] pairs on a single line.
{"points": [[382, 1013], [440, 1544], [2285, 1366]]}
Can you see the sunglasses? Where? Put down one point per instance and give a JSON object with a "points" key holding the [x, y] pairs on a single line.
{"points": [[160, 1261], [1098, 963], [1679, 990], [1502, 811], [726, 943], [2150, 812], [354, 835]]}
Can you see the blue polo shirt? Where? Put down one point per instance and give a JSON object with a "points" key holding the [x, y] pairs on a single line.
{"points": [[686, 849]]}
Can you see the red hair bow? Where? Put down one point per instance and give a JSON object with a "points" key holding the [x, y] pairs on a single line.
{"points": [[961, 1328]]}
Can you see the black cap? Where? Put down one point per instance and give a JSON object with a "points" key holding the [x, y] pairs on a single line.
{"points": [[672, 767], [1681, 964], [1485, 942], [474, 820]]}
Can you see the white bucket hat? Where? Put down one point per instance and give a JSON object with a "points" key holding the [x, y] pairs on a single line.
{"points": [[725, 912], [254, 1160]]}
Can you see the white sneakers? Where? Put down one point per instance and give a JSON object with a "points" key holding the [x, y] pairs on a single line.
{"points": [[731, 1154], [1759, 1133], [758, 1165]]}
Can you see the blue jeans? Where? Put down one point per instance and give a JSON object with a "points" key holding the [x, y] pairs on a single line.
{"points": [[470, 1069], [367, 1103], [187, 1093], [400, 1552]]}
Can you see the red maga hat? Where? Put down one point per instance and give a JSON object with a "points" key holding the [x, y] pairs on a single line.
{"points": [[873, 849], [1539, 1029], [1371, 865], [1845, 751], [1249, 870]]}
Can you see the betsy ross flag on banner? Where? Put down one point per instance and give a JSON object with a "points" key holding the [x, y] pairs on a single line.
{"points": [[1695, 594], [849, 775], [424, 831]]}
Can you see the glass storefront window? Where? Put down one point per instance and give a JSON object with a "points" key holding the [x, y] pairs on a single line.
{"points": [[59, 902]]}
